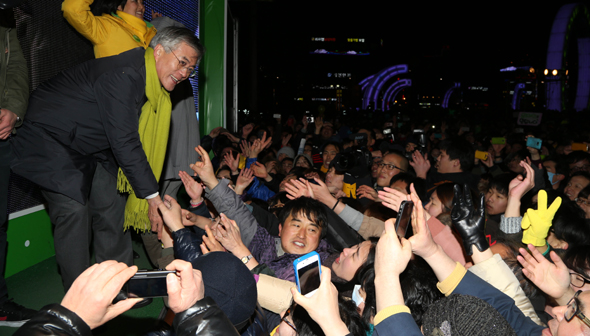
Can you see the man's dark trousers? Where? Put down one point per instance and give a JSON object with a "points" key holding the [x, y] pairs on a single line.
{"points": [[98, 223]]}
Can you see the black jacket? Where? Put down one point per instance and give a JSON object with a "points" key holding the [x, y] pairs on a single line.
{"points": [[84, 115], [205, 318]]}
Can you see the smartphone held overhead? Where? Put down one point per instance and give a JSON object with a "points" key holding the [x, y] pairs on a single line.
{"points": [[308, 272], [404, 217]]}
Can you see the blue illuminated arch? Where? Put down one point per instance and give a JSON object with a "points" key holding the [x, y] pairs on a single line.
{"points": [[556, 53], [366, 82], [372, 93], [447, 96], [393, 90]]}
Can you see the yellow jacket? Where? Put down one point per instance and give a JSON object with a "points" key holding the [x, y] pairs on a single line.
{"points": [[111, 34]]}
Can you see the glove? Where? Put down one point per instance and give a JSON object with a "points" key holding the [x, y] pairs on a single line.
{"points": [[536, 223], [467, 221]]}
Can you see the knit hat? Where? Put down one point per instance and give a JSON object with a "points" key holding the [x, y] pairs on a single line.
{"points": [[287, 151], [464, 315], [229, 282]]}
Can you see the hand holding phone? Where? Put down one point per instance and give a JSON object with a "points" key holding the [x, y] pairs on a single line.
{"points": [[481, 155], [147, 284], [534, 143], [308, 273], [404, 216]]}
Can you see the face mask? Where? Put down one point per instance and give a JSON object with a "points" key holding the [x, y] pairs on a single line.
{"points": [[551, 175], [356, 296]]}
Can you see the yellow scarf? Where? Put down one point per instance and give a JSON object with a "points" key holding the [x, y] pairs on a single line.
{"points": [[154, 126]]}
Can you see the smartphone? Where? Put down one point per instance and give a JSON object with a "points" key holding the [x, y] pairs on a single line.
{"points": [[147, 284], [308, 272], [481, 155], [404, 216], [438, 135], [387, 131], [534, 142], [579, 147], [310, 119], [276, 116], [498, 141]]}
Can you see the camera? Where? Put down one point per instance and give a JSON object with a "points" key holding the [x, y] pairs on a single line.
{"points": [[355, 161]]}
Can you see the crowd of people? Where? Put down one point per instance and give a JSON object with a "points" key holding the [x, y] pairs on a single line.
{"points": [[498, 242]]}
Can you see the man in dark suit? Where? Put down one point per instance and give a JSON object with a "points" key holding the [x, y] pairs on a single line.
{"points": [[81, 126]]}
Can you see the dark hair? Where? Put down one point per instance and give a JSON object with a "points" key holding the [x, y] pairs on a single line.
{"points": [[577, 156], [500, 183], [312, 209], [569, 225], [333, 143], [306, 326], [405, 165], [577, 258], [445, 194], [418, 285], [584, 192], [560, 166], [405, 177], [583, 174], [100, 7], [365, 276], [460, 149]]}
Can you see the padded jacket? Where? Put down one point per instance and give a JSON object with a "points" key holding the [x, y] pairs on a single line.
{"points": [[205, 318]]}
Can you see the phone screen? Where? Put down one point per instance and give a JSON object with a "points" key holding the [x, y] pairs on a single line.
{"points": [[309, 277], [147, 286], [403, 218]]}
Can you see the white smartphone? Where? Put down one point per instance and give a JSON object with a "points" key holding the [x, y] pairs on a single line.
{"points": [[308, 272], [276, 116]]}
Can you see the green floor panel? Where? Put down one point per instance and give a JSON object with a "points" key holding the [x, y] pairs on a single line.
{"points": [[40, 285]]}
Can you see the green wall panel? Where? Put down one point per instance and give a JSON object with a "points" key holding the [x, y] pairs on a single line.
{"points": [[30, 241], [212, 23]]}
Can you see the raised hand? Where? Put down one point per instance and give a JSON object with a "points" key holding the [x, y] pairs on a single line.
{"points": [[210, 243], [231, 162], [286, 139], [319, 123], [193, 188], [552, 278], [244, 180], [204, 169], [392, 198], [259, 170], [231, 137], [215, 132], [536, 223], [172, 213], [422, 242], [246, 130], [420, 163], [322, 306], [467, 221], [298, 188], [366, 191], [245, 147], [521, 185], [228, 234]]}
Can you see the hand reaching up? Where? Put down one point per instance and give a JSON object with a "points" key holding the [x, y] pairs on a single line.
{"points": [[470, 223]]}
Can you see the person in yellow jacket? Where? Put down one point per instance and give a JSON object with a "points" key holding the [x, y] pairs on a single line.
{"points": [[113, 26]]}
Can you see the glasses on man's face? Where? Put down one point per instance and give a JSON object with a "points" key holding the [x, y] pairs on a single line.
{"points": [[581, 200], [577, 280], [192, 72], [390, 166], [575, 169], [573, 309], [284, 319]]}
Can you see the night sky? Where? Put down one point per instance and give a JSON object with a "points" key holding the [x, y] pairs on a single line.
{"points": [[478, 38]]}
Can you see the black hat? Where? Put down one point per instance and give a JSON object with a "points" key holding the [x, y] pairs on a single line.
{"points": [[229, 282]]}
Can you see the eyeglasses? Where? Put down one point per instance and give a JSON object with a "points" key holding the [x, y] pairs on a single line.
{"points": [[581, 200], [577, 280], [390, 166], [284, 319], [192, 72], [573, 309]]}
